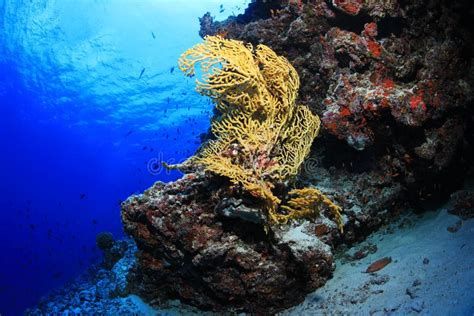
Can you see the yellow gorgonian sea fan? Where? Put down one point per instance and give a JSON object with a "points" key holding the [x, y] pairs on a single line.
{"points": [[261, 136]]}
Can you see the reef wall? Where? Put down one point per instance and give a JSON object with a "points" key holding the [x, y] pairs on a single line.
{"points": [[392, 83]]}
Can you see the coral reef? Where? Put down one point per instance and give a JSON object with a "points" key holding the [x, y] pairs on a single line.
{"points": [[261, 137], [194, 247], [98, 292], [113, 250], [392, 84]]}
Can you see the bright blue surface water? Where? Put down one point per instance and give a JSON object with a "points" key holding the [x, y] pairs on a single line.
{"points": [[90, 101]]}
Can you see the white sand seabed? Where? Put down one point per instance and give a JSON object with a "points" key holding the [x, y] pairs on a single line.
{"points": [[431, 273]]}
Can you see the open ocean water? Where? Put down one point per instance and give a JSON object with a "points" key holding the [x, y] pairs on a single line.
{"points": [[91, 101]]}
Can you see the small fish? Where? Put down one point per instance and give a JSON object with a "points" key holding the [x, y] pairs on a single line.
{"points": [[221, 8], [153, 35], [145, 148], [128, 134], [94, 221], [168, 100], [378, 265], [141, 73], [171, 70], [82, 196]]}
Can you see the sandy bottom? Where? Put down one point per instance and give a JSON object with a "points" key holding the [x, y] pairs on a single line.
{"points": [[431, 273]]}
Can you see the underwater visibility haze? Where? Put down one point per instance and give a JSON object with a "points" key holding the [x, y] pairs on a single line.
{"points": [[307, 157], [91, 101]]}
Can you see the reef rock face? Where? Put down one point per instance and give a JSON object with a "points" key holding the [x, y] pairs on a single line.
{"points": [[391, 80], [207, 249]]}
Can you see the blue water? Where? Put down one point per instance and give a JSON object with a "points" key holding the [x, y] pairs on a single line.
{"points": [[91, 101]]}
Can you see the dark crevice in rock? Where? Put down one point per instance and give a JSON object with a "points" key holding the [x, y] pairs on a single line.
{"points": [[389, 26], [343, 59], [348, 159], [249, 232], [349, 22]]}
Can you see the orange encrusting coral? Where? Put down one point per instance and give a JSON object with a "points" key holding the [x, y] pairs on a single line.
{"points": [[374, 48], [416, 101]]}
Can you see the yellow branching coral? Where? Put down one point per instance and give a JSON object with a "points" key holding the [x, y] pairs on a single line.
{"points": [[262, 136], [306, 203]]}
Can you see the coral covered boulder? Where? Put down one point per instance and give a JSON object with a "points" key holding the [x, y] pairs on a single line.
{"points": [[213, 239], [201, 246]]}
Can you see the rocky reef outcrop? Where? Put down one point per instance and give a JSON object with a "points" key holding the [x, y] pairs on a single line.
{"points": [[392, 83], [102, 290], [211, 251], [391, 80]]}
